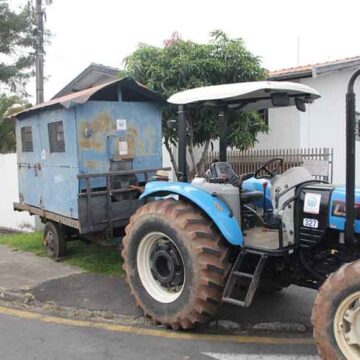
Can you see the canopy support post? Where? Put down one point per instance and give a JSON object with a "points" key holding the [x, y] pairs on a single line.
{"points": [[350, 160], [182, 174], [223, 123]]}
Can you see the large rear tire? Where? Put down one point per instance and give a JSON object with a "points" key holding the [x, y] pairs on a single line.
{"points": [[336, 315], [176, 263]]}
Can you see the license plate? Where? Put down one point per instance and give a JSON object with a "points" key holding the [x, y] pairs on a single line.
{"points": [[311, 223]]}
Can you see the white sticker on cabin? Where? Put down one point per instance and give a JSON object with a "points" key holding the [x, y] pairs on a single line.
{"points": [[43, 154], [120, 124], [58, 178], [123, 147], [312, 203]]}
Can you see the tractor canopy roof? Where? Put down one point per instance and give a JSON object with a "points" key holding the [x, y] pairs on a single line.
{"points": [[248, 96]]}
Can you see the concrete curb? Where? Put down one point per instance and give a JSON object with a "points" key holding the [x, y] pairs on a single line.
{"points": [[22, 299], [25, 299]]}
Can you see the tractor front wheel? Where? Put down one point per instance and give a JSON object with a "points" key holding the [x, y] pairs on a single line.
{"points": [[176, 263], [336, 315]]}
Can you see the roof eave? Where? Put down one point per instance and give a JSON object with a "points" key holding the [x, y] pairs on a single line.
{"points": [[292, 76]]}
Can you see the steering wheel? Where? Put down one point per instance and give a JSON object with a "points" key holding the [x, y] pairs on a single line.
{"points": [[272, 171]]}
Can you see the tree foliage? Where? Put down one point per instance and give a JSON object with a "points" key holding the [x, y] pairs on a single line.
{"points": [[8, 106], [180, 65], [17, 41]]}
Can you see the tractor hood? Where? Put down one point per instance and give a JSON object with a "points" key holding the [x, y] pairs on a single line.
{"points": [[338, 209], [251, 96]]}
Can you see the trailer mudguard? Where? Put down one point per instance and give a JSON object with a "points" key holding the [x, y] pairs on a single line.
{"points": [[214, 207]]}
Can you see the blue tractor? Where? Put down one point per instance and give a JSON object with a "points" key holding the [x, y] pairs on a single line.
{"points": [[222, 237]]}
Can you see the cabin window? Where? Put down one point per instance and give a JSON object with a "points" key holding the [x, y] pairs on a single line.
{"points": [[56, 137], [26, 139]]}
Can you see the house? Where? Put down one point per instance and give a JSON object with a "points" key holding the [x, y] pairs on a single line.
{"points": [[323, 124]]}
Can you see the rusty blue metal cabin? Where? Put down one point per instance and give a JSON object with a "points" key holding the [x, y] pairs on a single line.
{"points": [[78, 154]]}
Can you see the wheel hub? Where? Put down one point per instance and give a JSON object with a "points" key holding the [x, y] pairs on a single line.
{"points": [[160, 267], [166, 265], [347, 326], [49, 240]]}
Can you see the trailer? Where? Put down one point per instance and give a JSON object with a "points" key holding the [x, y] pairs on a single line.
{"points": [[83, 156]]}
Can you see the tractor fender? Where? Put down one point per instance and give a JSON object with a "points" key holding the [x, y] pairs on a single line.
{"points": [[217, 210]]}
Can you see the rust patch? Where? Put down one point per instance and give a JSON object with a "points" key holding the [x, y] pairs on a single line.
{"points": [[99, 125], [131, 146], [132, 131], [151, 141], [91, 164]]}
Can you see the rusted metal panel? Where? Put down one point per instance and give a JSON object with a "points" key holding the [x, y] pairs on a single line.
{"points": [[118, 131]]}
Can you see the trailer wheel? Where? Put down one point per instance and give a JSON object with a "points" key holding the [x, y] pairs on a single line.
{"points": [[54, 240], [336, 315], [176, 263]]}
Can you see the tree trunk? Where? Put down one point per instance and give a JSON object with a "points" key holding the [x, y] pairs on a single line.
{"points": [[200, 166], [172, 157]]}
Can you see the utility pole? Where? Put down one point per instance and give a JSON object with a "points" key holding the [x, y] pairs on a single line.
{"points": [[298, 51], [39, 52]]}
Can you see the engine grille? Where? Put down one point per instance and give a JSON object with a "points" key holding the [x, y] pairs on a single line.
{"points": [[309, 237]]}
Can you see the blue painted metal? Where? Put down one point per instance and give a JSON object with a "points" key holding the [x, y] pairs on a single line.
{"points": [[254, 184], [338, 222], [216, 209], [92, 137], [142, 134]]}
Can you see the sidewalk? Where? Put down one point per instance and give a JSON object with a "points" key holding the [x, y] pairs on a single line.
{"points": [[67, 286], [23, 270]]}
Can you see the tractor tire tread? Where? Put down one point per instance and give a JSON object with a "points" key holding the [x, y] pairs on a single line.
{"points": [[346, 276], [208, 247]]}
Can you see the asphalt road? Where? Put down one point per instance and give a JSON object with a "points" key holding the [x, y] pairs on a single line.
{"points": [[22, 338]]}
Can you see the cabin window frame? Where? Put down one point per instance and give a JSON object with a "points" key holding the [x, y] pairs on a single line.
{"points": [[27, 143], [56, 135]]}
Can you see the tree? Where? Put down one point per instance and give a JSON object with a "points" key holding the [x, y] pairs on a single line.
{"points": [[17, 40], [181, 65], [8, 106], [17, 58]]}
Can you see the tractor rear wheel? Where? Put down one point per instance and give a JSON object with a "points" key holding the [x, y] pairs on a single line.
{"points": [[176, 263], [336, 315]]}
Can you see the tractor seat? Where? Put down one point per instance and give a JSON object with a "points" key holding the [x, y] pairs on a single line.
{"points": [[251, 196]]}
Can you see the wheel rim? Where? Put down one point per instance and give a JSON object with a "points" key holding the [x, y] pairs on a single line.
{"points": [[347, 326], [160, 267], [49, 241]]}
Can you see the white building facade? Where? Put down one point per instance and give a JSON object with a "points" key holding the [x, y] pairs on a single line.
{"points": [[323, 124]]}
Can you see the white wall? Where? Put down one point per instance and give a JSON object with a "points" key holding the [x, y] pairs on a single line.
{"points": [[9, 193], [284, 128], [322, 125]]}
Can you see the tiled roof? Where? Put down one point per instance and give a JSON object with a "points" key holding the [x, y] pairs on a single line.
{"points": [[306, 70]]}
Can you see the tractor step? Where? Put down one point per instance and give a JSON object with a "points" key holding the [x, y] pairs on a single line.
{"points": [[238, 272]]}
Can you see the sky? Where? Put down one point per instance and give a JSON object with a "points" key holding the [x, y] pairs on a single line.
{"points": [[86, 31]]}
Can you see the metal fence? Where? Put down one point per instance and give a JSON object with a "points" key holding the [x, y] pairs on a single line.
{"points": [[319, 161]]}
